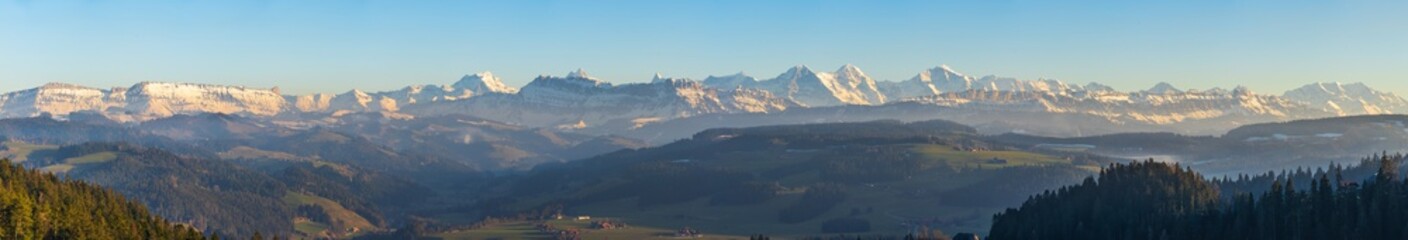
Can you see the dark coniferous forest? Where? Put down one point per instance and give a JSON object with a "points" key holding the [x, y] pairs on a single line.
{"points": [[35, 205], [1150, 200]]}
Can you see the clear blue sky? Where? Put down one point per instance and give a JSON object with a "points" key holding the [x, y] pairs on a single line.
{"points": [[333, 46]]}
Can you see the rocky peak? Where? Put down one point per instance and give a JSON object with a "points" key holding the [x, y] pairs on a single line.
{"points": [[1163, 88], [483, 83], [1097, 87]]}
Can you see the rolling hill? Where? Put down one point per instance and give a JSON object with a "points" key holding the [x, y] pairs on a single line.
{"points": [[791, 180], [223, 197]]}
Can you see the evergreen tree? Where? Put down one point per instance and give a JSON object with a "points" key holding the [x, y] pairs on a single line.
{"points": [[1147, 200], [35, 205]]}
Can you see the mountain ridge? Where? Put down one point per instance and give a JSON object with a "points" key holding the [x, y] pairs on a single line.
{"points": [[579, 101]]}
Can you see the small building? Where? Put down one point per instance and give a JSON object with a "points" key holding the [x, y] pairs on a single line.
{"points": [[584, 218]]}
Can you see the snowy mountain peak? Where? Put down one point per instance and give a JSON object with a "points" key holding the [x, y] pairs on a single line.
{"points": [[1332, 88], [944, 67], [1348, 99], [1339, 88], [1358, 87], [657, 78], [1097, 87], [795, 74], [852, 81], [847, 86], [853, 72], [933, 81], [190, 88], [579, 77], [1164, 88], [847, 69], [579, 74], [678, 81], [1242, 90], [149, 100], [731, 81], [483, 83], [940, 73], [359, 101], [852, 75], [55, 99], [546, 86], [799, 70]]}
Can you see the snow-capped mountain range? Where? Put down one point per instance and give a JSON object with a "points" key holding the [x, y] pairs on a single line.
{"points": [[578, 100], [943, 79], [143, 101], [1348, 99], [1161, 104]]}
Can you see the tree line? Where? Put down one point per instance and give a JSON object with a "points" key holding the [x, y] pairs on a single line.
{"points": [[36, 205], [1150, 200]]}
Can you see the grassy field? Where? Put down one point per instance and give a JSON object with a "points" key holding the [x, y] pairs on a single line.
{"points": [[334, 209], [984, 158], [254, 153], [70, 163], [92, 158], [309, 228], [18, 151], [57, 168], [262, 159]]}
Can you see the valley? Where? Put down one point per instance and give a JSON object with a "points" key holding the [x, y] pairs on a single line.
{"points": [[892, 177], [713, 119]]}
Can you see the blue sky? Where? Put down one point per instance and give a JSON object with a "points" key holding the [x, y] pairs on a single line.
{"points": [[333, 46]]}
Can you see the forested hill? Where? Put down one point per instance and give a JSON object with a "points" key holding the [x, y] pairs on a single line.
{"points": [[233, 200], [35, 205], [1149, 200], [792, 181]]}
